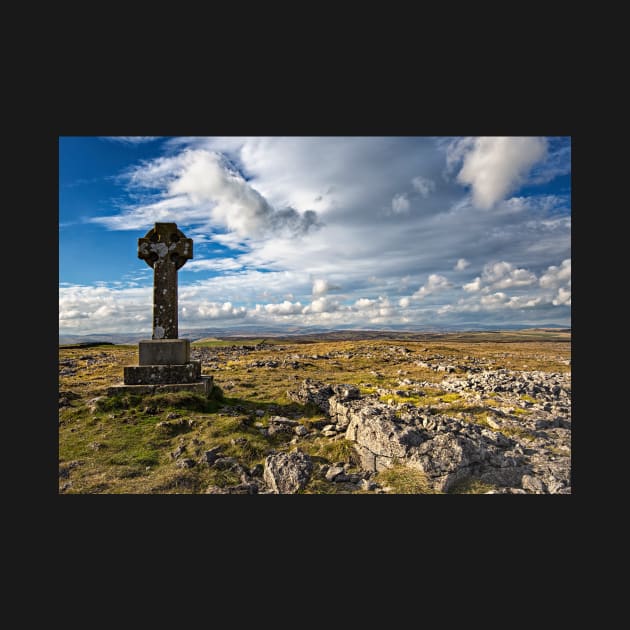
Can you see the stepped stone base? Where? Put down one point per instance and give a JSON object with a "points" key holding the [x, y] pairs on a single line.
{"points": [[164, 366], [164, 351], [203, 386], [162, 374]]}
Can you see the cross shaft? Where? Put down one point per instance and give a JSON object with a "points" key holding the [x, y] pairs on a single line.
{"points": [[166, 249]]}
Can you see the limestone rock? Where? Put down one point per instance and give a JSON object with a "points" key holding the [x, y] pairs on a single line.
{"points": [[533, 484], [445, 449], [333, 472], [367, 485], [492, 423], [66, 396], [226, 463], [280, 424], [287, 473], [257, 470], [211, 456]]}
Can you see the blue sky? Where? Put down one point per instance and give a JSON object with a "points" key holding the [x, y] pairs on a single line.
{"points": [[364, 232]]}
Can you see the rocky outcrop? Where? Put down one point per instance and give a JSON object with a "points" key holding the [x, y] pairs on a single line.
{"points": [[446, 449], [287, 473]]}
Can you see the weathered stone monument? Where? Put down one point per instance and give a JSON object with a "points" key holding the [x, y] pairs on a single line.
{"points": [[164, 360]]}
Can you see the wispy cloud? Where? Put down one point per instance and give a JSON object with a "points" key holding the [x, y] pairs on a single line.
{"points": [[423, 185], [130, 139], [202, 187]]}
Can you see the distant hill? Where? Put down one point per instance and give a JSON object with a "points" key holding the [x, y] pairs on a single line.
{"points": [[310, 332]]}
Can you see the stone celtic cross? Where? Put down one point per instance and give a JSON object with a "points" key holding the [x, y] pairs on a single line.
{"points": [[166, 249]]}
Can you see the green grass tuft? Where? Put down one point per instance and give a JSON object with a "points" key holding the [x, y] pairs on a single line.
{"points": [[160, 401], [404, 480], [331, 451]]}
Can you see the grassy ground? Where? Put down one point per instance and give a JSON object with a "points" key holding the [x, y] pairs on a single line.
{"points": [[124, 444]]}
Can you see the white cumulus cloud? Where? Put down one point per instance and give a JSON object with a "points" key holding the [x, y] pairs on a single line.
{"points": [[213, 264], [322, 304], [322, 287], [215, 310], [500, 275], [496, 166], [563, 298], [494, 299], [475, 285], [400, 203], [436, 282], [555, 276], [284, 308], [461, 264]]}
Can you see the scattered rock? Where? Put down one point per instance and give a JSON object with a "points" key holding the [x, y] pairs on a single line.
{"points": [[243, 488], [211, 456], [66, 396], [92, 404], [226, 463], [172, 427], [533, 484], [493, 423], [270, 363], [186, 462], [64, 469], [257, 470], [280, 424], [178, 451], [300, 430], [283, 420], [365, 484], [287, 473], [333, 472]]}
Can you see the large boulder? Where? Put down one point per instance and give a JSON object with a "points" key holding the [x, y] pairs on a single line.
{"points": [[287, 473]]}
